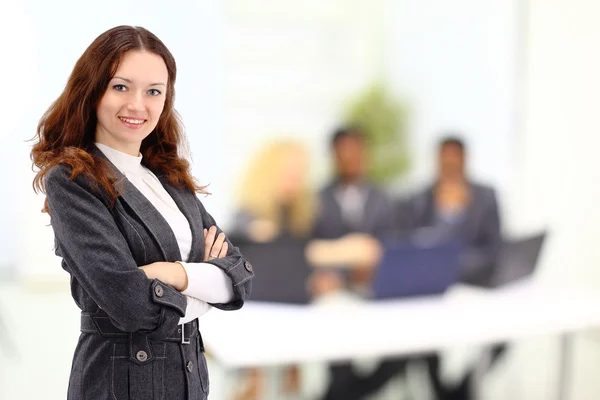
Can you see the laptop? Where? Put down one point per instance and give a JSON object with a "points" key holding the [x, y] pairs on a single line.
{"points": [[518, 259], [281, 271], [409, 270]]}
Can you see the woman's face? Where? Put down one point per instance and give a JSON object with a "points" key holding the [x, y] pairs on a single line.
{"points": [[133, 102]]}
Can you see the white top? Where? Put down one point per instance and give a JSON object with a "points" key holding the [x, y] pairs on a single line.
{"points": [[351, 199], [207, 283]]}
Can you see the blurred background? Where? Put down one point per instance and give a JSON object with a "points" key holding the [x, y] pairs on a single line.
{"points": [[515, 80]]}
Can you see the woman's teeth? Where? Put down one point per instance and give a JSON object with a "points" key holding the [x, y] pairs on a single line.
{"points": [[133, 121]]}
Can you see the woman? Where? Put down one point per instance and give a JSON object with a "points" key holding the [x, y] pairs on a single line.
{"points": [[275, 201], [145, 258]]}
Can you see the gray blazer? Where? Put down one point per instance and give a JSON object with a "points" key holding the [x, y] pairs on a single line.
{"points": [[377, 218], [478, 229], [102, 248]]}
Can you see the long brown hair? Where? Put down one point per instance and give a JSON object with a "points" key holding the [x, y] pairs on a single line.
{"points": [[66, 131]]}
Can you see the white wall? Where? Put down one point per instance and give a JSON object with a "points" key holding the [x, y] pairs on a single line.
{"points": [[454, 63], [558, 167]]}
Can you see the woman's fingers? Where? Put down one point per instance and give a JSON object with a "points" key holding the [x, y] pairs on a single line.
{"points": [[216, 248], [223, 252], [209, 240], [215, 245]]}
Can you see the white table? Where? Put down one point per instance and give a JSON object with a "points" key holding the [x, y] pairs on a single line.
{"points": [[262, 335]]}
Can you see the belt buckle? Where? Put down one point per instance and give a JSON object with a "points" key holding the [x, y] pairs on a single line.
{"points": [[183, 341]]}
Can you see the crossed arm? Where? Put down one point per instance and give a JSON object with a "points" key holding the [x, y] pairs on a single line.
{"points": [[201, 283]]}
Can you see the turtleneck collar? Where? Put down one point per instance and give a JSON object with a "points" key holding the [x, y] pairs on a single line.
{"points": [[127, 164]]}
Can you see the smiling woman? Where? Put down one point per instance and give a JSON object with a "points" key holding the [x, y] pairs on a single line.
{"points": [[130, 108], [145, 257]]}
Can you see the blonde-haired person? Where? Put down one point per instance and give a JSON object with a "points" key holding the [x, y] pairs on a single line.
{"points": [[274, 202], [274, 196]]}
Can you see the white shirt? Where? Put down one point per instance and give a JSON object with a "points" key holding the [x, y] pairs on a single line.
{"points": [[207, 283], [352, 199]]}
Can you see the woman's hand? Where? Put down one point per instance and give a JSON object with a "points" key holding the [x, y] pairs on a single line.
{"points": [[214, 247]]}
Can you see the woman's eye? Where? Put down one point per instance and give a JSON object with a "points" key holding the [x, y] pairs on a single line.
{"points": [[154, 92], [120, 88]]}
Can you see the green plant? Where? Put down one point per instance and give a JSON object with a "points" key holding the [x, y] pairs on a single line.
{"points": [[383, 121]]}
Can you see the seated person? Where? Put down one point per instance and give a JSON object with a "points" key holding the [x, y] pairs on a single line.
{"points": [[455, 207], [352, 207], [350, 203], [274, 198]]}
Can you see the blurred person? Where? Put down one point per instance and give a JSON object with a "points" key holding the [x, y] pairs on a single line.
{"points": [[275, 200], [146, 259], [456, 208], [350, 203], [275, 203], [351, 206]]}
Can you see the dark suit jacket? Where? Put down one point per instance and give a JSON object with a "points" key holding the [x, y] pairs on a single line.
{"points": [[478, 229], [102, 247], [377, 218]]}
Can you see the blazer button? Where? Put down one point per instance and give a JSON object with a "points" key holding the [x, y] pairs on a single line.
{"points": [[189, 366], [141, 356], [248, 266], [158, 290]]}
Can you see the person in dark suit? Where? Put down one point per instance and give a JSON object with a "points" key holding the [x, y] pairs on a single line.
{"points": [[458, 209], [351, 205], [350, 202], [145, 257]]}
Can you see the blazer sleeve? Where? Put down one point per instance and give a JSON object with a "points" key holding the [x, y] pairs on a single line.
{"points": [[239, 270], [96, 253]]}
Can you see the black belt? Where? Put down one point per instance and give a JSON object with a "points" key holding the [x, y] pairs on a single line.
{"points": [[101, 324]]}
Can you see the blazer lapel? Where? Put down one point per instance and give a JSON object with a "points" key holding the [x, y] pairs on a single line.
{"points": [[186, 201], [370, 210], [336, 207], [147, 214]]}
